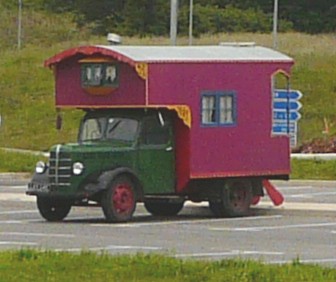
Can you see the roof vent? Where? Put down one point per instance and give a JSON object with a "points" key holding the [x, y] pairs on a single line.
{"points": [[238, 44], [113, 39]]}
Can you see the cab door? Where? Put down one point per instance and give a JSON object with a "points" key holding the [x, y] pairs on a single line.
{"points": [[156, 158]]}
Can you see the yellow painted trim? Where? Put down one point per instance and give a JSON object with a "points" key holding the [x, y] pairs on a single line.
{"points": [[237, 174], [142, 70], [96, 60], [147, 91], [183, 112], [281, 72], [106, 107]]}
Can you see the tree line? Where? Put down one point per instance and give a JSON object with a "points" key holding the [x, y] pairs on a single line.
{"points": [[152, 17]]}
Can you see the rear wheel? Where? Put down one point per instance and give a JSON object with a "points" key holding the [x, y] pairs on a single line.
{"points": [[234, 201], [163, 207], [119, 200], [53, 210]]}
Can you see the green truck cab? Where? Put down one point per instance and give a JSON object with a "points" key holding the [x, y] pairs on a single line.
{"points": [[120, 157]]}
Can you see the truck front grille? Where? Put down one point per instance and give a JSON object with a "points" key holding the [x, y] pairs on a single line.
{"points": [[59, 168]]}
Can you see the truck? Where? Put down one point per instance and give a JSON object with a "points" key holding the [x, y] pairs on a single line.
{"points": [[163, 125]]}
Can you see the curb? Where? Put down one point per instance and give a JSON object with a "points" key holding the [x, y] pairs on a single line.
{"points": [[24, 151]]}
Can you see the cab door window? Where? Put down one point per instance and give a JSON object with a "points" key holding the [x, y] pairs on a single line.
{"points": [[153, 133]]}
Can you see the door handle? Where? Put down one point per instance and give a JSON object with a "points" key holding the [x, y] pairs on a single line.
{"points": [[169, 149]]}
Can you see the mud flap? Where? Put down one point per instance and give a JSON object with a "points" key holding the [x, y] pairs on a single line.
{"points": [[275, 196]]}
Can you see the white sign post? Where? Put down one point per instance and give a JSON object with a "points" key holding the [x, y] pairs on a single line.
{"points": [[286, 113]]}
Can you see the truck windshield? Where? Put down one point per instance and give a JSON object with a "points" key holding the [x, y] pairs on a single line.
{"points": [[108, 128]]}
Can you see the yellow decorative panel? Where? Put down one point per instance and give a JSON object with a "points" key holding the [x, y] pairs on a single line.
{"points": [[183, 113], [142, 70]]}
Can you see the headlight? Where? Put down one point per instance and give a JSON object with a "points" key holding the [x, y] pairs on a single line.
{"points": [[77, 168], [40, 167]]}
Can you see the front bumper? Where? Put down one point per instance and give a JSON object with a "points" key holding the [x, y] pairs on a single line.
{"points": [[41, 186]]}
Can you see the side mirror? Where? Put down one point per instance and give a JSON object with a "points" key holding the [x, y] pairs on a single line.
{"points": [[161, 119]]}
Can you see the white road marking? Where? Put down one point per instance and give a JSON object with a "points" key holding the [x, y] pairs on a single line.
{"points": [[20, 187], [18, 243], [264, 228], [38, 234], [284, 188], [16, 197], [191, 221], [110, 247], [114, 247], [314, 261], [18, 212], [298, 206], [264, 203], [229, 253], [310, 195], [11, 221]]}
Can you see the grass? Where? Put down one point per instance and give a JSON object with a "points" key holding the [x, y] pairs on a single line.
{"points": [[27, 88], [30, 265], [313, 169], [27, 96], [18, 162]]}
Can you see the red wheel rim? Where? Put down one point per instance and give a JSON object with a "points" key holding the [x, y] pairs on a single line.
{"points": [[255, 200], [123, 199]]}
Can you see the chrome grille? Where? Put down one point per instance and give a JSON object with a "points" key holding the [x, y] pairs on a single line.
{"points": [[59, 167]]}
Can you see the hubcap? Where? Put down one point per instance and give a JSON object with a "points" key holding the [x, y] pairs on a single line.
{"points": [[123, 199]]}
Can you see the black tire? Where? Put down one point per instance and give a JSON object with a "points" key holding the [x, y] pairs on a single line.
{"points": [[119, 200], [235, 200], [216, 208], [163, 208], [53, 210]]}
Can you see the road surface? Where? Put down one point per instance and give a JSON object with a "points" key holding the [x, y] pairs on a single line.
{"points": [[304, 227]]}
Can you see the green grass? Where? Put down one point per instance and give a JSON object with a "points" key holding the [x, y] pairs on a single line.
{"points": [[18, 162], [313, 169], [29, 265], [27, 88], [27, 96]]}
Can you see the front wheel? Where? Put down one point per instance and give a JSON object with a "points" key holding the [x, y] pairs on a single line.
{"points": [[235, 200], [119, 200], [53, 210], [163, 208]]}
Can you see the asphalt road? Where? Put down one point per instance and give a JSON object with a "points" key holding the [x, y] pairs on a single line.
{"points": [[304, 227]]}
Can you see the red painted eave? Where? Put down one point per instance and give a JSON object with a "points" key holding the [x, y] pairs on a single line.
{"points": [[87, 51]]}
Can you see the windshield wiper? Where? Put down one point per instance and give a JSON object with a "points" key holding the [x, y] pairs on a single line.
{"points": [[114, 126]]}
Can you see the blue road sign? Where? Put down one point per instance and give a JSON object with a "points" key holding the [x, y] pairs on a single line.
{"points": [[284, 128], [285, 94], [283, 115], [284, 105]]}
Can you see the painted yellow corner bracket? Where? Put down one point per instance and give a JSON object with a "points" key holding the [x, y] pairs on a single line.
{"points": [[183, 113], [142, 70]]}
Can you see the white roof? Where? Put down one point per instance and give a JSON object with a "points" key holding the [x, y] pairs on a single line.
{"points": [[219, 53]]}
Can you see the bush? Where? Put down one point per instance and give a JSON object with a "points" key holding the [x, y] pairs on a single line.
{"points": [[211, 19]]}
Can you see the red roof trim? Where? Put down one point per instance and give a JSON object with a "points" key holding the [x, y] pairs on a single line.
{"points": [[88, 51]]}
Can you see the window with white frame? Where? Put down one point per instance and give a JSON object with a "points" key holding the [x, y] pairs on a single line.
{"points": [[100, 74], [218, 108]]}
